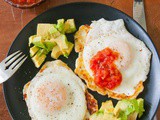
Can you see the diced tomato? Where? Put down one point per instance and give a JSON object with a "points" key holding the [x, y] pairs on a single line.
{"points": [[24, 1], [106, 73]]}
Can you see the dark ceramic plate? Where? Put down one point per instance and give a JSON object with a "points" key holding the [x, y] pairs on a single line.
{"points": [[83, 13]]}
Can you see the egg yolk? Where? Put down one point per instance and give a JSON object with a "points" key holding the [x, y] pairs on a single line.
{"points": [[106, 73], [51, 96]]}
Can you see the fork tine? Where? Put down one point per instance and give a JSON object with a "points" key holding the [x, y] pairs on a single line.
{"points": [[10, 56], [19, 64], [13, 59], [16, 62]]}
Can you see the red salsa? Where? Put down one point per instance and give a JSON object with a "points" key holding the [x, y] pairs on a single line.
{"points": [[106, 73], [24, 1]]}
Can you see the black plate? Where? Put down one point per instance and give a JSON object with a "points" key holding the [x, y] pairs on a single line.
{"points": [[83, 13]]}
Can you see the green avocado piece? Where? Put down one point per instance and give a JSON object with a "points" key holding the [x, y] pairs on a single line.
{"points": [[133, 116], [33, 50], [39, 58], [62, 42], [66, 52], [141, 106], [56, 52], [54, 32], [31, 38], [47, 31], [107, 106], [42, 51], [69, 26], [60, 25], [39, 42], [49, 45], [43, 28], [129, 109], [119, 107]]}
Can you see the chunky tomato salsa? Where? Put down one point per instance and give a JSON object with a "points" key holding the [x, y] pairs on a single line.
{"points": [[106, 73], [24, 1]]}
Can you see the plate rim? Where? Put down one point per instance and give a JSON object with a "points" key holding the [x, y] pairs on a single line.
{"points": [[73, 3]]}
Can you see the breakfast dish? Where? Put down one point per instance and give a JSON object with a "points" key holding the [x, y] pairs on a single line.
{"points": [[111, 60], [52, 95], [35, 91]]}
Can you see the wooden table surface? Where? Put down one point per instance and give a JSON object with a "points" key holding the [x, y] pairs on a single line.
{"points": [[12, 20]]}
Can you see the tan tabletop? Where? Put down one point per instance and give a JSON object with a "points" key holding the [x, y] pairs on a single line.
{"points": [[12, 20]]}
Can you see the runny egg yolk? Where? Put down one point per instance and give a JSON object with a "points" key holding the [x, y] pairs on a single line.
{"points": [[106, 73], [51, 96]]}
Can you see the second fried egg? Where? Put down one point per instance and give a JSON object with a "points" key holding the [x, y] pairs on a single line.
{"points": [[131, 64]]}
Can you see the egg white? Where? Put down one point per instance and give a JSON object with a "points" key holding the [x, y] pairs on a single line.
{"points": [[114, 35], [75, 102]]}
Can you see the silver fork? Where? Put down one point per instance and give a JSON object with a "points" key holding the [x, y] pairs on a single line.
{"points": [[10, 65]]}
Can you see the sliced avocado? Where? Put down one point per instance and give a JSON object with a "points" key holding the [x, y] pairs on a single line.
{"points": [[120, 108], [33, 50], [47, 36], [47, 30], [122, 115], [61, 41], [39, 42], [132, 116], [60, 25], [43, 28], [107, 106], [49, 45], [127, 109], [56, 52], [141, 106], [39, 58], [42, 51], [69, 26], [66, 52], [31, 38], [54, 32], [103, 116]]}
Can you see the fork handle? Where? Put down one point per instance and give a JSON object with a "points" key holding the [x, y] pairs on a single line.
{"points": [[3, 77]]}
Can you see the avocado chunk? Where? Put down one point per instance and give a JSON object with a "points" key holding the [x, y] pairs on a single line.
{"points": [[132, 116], [39, 42], [43, 28], [33, 50], [62, 42], [69, 26], [31, 38], [103, 117], [42, 51], [47, 31], [39, 58], [107, 106], [141, 106], [60, 25], [66, 52], [56, 52], [54, 32], [129, 109], [49, 45], [124, 110]]}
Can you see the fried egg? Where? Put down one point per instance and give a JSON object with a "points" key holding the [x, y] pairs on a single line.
{"points": [[57, 93], [133, 61]]}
